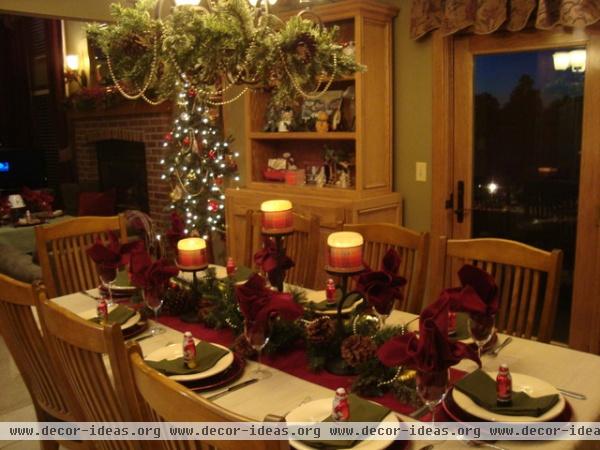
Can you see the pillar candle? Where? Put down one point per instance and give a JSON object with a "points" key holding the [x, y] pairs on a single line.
{"points": [[345, 251], [191, 253], [277, 217]]}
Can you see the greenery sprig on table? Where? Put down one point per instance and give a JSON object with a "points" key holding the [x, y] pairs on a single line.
{"points": [[214, 48]]}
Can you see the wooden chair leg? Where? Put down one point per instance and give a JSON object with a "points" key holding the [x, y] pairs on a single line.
{"points": [[42, 416]]}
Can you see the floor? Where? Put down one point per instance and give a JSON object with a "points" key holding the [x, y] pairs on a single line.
{"points": [[15, 403]]}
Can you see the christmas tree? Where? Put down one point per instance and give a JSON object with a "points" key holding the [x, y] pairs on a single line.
{"points": [[199, 165]]}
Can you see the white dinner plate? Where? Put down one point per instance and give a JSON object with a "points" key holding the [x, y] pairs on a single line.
{"points": [[175, 351], [133, 320], [534, 387], [319, 296], [220, 273], [318, 410]]}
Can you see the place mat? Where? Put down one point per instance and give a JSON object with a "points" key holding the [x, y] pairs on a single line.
{"points": [[207, 355], [457, 414], [481, 388], [120, 315], [323, 305], [228, 376], [360, 411]]}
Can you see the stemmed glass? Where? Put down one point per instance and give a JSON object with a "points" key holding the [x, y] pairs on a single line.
{"points": [[107, 274], [384, 313], [432, 388], [153, 300], [481, 327], [258, 336]]}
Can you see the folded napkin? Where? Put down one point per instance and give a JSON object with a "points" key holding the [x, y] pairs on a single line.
{"points": [[207, 355], [259, 303], [478, 294], [381, 288], [113, 254], [323, 305], [432, 350], [148, 274], [481, 388], [360, 411], [268, 260], [175, 233], [120, 315]]}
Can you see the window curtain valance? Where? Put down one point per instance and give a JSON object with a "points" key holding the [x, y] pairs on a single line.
{"points": [[487, 16]]}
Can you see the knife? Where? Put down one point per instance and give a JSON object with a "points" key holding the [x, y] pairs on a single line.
{"points": [[235, 387]]}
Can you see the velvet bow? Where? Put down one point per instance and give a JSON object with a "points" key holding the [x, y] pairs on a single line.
{"points": [[113, 254], [149, 274], [258, 303], [477, 295], [431, 350], [175, 233], [268, 260], [381, 288]]}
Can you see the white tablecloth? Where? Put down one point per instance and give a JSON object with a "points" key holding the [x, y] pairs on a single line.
{"points": [[562, 367]]}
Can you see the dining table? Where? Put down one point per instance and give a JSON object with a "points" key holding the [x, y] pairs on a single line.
{"points": [[290, 383]]}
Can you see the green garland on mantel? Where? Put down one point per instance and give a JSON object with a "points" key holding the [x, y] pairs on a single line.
{"points": [[212, 48], [218, 308]]}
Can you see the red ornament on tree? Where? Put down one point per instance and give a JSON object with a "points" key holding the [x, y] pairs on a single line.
{"points": [[169, 137], [219, 180], [186, 140], [213, 205], [191, 92], [212, 154]]}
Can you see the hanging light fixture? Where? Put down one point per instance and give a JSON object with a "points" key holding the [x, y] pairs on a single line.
{"points": [[574, 60]]}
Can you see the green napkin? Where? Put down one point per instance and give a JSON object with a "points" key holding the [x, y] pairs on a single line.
{"points": [[324, 306], [120, 315], [480, 388], [360, 411], [122, 279], [242, 273], [462, 327], [207, 356]]}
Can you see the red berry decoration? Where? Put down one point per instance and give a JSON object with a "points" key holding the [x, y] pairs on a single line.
{"points": [[212, 154], [191, 93]]}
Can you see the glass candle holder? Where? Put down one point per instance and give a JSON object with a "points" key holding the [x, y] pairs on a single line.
{"points": [[345, 252], [277, 217], [191, 254]]}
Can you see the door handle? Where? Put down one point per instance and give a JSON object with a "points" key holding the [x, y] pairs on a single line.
{"points": [[460, 201]]}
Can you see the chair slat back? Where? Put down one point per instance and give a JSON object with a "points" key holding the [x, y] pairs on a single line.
{"points": [[302, 246], [413, 248], [528, 279], [166, 400], [61, 247], [25, 342], [82, 349]]}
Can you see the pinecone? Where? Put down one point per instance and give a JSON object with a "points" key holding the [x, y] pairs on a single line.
{"points": [[357, 349], [320, 330], [177, 301], [242, 347], [205, 307]]}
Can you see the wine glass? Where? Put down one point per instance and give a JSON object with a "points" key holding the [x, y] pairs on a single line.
{"points": [[383, 312], [153, 300], [481, 327], [258, 336], [107, 274], [432, 388]]}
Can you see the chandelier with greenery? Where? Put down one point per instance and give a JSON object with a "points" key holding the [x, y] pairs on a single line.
{"points": [[217, 45]]}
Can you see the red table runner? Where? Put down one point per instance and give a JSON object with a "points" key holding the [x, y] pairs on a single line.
{"points": [[295, 363]]}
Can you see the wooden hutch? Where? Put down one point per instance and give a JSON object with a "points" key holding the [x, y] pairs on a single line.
{"points": [[368, 24]]}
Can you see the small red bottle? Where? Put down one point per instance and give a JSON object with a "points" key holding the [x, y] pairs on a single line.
{"points": [[330, 291], [341, 408], [230, 266], [189, 350], [504, 386], [102, 310]]}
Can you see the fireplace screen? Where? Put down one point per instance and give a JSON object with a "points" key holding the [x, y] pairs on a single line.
{"points": [[122, 167]]}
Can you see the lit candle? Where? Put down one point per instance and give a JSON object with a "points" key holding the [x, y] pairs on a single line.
{"points": [[191, 253], [345, 252], [277, 217]]}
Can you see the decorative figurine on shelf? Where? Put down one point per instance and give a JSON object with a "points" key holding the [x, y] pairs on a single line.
{"points": [[336, 120], [343, 175], [285, 122], [320, 178], [290, 164], [322, 124]]}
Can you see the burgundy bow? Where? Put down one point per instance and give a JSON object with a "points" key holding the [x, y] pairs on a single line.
{"points": [[381, 288], [477, 295], [259, 303], [430, 350], [270, 262], [149, 274], [113, 254]]}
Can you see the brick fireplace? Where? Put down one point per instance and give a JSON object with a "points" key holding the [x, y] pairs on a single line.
{"points": [[130, 122]]}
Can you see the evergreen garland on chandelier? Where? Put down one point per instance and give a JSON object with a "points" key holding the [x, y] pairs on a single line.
{"points": [[215, 47]]}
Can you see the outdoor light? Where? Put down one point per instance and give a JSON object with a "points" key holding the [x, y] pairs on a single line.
{"points": [[492, 187], [578, 59], [72, 62], [574, 60], [562, 60]]}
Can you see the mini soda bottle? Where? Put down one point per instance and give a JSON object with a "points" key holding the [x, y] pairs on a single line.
{"points": [[341, 408], [230, 266], [102, 310], [451, 323], [330, 291], [189, 350], [504, 386]]}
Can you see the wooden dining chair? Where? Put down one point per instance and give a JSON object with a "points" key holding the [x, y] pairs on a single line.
{"points": [[413, 248], [302, 246], [52, 397], [61, 248], [166, 400], [528, 280], [105, 392]]}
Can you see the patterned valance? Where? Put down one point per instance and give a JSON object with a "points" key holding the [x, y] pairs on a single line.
{"points": [[487, 16]]}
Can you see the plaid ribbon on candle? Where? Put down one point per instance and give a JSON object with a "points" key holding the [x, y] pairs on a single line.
{"points": [[345, 258], [278, 220]]}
